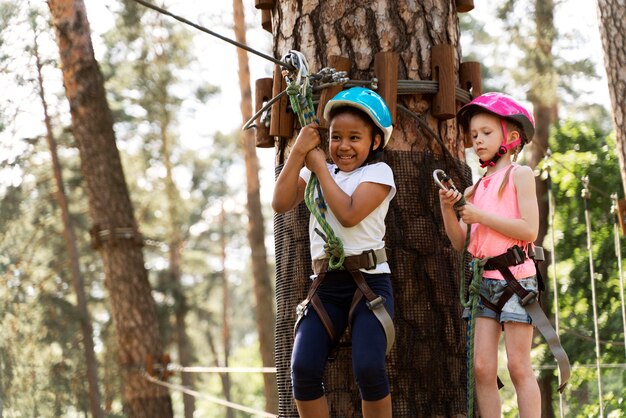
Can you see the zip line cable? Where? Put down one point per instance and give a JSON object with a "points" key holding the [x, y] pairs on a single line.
{"points": [[618, 254], [555, 293], [585, 196], [217, 35]]}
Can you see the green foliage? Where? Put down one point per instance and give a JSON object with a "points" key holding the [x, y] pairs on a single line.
{"points": [[580, 150]]}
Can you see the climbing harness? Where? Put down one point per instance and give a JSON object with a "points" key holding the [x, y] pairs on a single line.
{"points": [[366, 260]]}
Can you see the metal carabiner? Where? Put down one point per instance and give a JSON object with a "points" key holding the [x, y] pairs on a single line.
{"points": [[445, 182]]}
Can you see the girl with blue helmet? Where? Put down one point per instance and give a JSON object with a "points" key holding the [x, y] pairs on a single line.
{"points": [[357, 190]]}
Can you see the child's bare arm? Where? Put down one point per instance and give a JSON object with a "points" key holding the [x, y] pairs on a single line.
{"points": [[289, 187], [526, 227]]}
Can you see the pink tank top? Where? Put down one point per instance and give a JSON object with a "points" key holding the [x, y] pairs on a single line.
{"points": [[484, 241]]}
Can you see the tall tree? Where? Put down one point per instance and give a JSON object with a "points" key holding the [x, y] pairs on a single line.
{"points": [[263, 291], [427, 364], [70, 242], [611, 19], [115, 231]]}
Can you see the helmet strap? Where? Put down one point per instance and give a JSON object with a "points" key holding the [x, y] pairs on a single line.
{"points": [[504, 147]]}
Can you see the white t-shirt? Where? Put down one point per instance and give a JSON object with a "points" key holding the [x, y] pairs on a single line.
{"points": [[367, 234]]}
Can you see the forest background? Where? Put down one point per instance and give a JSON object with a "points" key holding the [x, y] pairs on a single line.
{"points": [[41, 359]]}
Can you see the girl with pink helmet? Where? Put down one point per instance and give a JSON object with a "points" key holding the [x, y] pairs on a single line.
{"points": [[502, 214]]}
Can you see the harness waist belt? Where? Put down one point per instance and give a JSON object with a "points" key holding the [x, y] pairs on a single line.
{"points": [[366, 260]]}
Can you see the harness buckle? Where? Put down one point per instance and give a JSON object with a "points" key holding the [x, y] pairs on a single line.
{"points": [[518, 254], [301, 310], [529, 298], [536, 253], [372, 262], [376, 303]]}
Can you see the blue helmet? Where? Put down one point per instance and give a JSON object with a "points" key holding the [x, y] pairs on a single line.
{"points": [[367, 101]]}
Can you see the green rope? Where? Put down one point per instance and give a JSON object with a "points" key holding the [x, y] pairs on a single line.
{"points": [[302, 106], [471, 302]]}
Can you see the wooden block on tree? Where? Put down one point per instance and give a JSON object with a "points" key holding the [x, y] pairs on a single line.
{"points": [[442, 67], [386, 71], [470, 78], [340, 64], [282, 120], [262, 94], [266, 19], [464, 6], [264, 4]]}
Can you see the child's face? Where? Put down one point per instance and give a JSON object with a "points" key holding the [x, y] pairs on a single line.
{"points": [[486, 134], [350, 139]]}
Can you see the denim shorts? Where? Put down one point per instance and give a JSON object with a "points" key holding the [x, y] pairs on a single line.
{"points": [[512, 311]]}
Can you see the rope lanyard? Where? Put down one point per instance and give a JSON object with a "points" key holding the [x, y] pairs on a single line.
{"points": [[555, 297], [585, 196], [471, 303], [618, 254], [301, 98]]}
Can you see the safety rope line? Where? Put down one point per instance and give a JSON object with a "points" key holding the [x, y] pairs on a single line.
{"points": [[300, 95], [555, 293], [470, 302], [210, 32], [209, 398], [203, 369], [618, 255], [585, 196]]}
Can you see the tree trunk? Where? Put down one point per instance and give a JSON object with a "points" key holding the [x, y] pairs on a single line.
{"points": [[175, 250], [226, 386], [542, 94], [72, 252], [427, 364], [263, 291], [115, 232], [612, 16]]}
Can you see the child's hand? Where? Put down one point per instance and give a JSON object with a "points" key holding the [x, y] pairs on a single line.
{"points": [[447, 198], [470, 214], [316, 160], [308, 139]]}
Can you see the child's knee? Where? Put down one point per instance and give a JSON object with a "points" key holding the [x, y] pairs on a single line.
{"points": [[306, 379], [372, 381]]}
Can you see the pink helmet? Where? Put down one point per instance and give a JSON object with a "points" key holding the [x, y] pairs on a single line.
{"points": [[501, 105]]}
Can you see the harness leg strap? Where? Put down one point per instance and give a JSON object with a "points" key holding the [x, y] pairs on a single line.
{"points": [[376, 305], [541, 321]]}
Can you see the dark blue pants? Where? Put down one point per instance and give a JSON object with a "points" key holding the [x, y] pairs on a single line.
{"points": [[312, 343]]}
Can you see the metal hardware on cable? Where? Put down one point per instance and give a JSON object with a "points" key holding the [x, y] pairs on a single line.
{"points": [[445, 182]]}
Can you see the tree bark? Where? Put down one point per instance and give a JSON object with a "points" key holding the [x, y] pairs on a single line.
{"points": [[427, 364], [72, 252], [263, 291], [115, 231], [612, 18]]}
